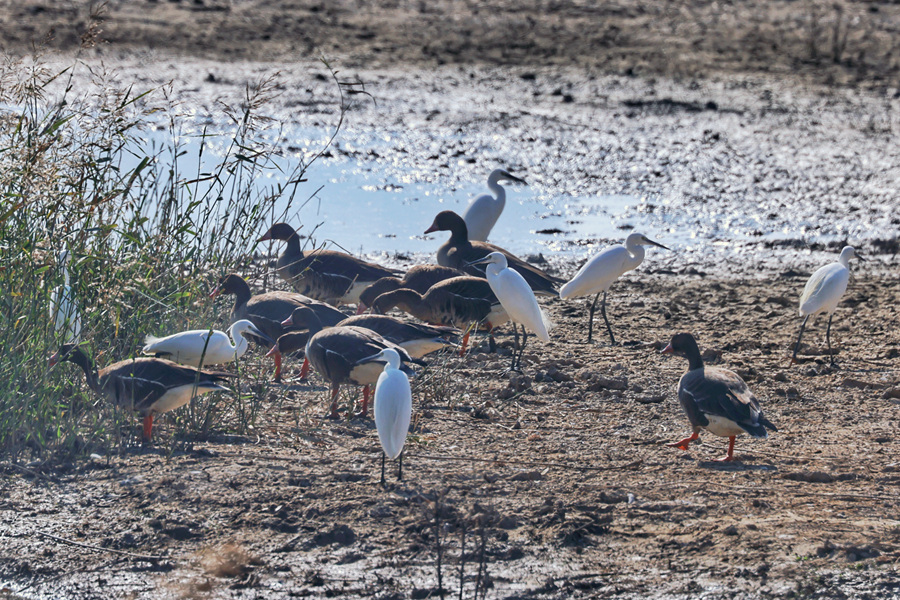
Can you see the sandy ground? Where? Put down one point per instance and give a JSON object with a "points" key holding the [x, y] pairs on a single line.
{"points": [[558, 483]]}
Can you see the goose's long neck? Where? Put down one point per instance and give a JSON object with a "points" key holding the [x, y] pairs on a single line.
{"points": [[241, 295], [90, 371], [293, 245], [695, 361]]}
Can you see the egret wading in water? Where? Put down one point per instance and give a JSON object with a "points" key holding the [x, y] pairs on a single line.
{"points": [[483, 211], [212, 346], [822, 293], [715, 399], [393, 407], [63, 308], [518, 300], [598, 273]]}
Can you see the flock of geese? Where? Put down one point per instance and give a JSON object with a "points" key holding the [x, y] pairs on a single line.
{"points": [[475, 286]]}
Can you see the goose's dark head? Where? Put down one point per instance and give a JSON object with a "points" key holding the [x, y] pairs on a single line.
{"points": [[447, 220], [230, 284], [278, 231]]}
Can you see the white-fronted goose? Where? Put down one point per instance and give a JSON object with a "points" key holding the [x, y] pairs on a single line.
{"points": [[209, 346], [267, 311], [518, 300], [483, 211], [334, 353], [598, 273], [63, 308], [418, 278], [459, 252], [393, 408], [822, 293], [326, 275], [147, 386], [715, 399], [457, 302]]}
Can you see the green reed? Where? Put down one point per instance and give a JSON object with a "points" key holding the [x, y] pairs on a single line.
{"points": [[148, 237]]}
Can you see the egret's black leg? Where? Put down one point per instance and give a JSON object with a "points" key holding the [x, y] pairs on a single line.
{"points": [[603, 312], [591, 318], [797, 345], [828, 338], [492, 343], [382, 468], [400, 467], [522, 350], [512, 367]]}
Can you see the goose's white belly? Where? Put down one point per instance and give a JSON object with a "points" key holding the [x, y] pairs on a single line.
{"points": [[419, 348], [722, 427], [353, 294], [176, 398]]}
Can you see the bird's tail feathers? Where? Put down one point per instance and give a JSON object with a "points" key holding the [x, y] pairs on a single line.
{"points": [[768, 424], [150, 339]]}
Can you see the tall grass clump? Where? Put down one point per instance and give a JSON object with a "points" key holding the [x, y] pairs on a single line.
{"points": [[149, 227]]}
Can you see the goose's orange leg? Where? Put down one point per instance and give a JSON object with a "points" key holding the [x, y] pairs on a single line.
{"points": [[304, 369], [148, 427], [730, 455], [683, 444]]}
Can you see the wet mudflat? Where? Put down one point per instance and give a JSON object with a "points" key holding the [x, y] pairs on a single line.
{"points": [[560, 476], [556, 483]]}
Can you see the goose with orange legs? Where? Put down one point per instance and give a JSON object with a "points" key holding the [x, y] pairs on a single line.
{"points": [[457, 302], [325, 275], [461, 253], [267, 311], [335, 351], [147, 386], [715, 399]]}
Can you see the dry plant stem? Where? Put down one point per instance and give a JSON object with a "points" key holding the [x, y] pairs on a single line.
{"points": [[101, 548]]}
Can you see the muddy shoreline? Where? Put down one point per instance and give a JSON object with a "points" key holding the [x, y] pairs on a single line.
{"points": [[560, 479]]}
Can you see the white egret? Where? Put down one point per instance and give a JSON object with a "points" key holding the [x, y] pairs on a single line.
{"points": [[518, 300], [598, 273], [147, 386], [63, 308], [822, 293], [715, 399], [212, 345], [393, 407], [483, 211]]}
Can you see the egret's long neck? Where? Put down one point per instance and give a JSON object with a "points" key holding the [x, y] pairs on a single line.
{"points": [[844, 260], [498, 191], [65, 271], [635, 255], [240, 342], [393, 361], [494, 269]]}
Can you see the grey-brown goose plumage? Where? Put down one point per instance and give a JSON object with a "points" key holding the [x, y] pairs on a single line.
{"points": [[325, 275], [267, 311], [459, 251], [335, 351], [457, 302], [418, 278], [148, 386], [715, 399]]}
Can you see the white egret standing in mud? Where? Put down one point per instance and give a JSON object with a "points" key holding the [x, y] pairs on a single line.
{"points": [[393, 407], [822, 293], [212, 345], [483, 211], [518, 300], [598, 273], [715, 399], [63, 308]]}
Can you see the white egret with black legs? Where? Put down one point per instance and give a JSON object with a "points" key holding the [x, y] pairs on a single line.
{"points": [[822, 293], [211, 346], [518, 300], [598, 273], [393, 407], [63, 308], [483, 211]]}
